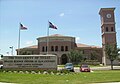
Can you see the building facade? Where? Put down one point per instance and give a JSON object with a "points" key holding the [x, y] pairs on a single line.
{"points": [[61, 45]]}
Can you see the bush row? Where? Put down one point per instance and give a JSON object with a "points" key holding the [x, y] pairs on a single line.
{"points": [[63, 71]]}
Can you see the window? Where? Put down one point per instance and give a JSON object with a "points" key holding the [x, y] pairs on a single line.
{"points": [[66, 48], [52, 48], [56, 48], [62, 48], [106, 29], [112, 29], [46, 48], [43, 49]]}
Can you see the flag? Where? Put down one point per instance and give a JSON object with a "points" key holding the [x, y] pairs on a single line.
{"points": [[52, 26], [22, 27]]}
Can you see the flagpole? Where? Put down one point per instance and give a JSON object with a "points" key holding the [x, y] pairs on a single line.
{"points": [[48, 38], [19, 41]]}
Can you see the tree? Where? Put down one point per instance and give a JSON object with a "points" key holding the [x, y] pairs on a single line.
{"points": [[94, 55], [75, 56], [112, 52], [1, 55]]}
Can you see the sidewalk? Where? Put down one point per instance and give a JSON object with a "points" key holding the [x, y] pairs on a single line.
{"points": [[92, 83], [108, 83], [6, 83]]}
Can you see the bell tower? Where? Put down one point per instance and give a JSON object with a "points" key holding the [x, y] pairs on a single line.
{"points": [[107, 29]]}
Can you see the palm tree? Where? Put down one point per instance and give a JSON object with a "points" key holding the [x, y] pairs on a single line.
{"points": [[112, 53]]}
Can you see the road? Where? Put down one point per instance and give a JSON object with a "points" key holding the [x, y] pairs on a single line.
{"points": [[77, 69]]}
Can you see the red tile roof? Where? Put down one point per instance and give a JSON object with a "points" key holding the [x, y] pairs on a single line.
{"points": [[30, 47], [84, 45], [55, 35], [34, 46]]}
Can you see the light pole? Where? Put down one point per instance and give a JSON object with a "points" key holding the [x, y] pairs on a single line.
{"points": [[1, 56], [11, 50]]}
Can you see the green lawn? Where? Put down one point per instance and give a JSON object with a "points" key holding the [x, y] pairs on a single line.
{"points": [[71, 78]]}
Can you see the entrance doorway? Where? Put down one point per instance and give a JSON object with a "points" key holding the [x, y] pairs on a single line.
{"points": [[64, 59]]}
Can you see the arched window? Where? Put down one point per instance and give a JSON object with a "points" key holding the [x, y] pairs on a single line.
{"points": [[62, 48], [43, 49], [66, 48], [112, 29], [52, 48], [106, 29], [46, 48], [56, 48]]}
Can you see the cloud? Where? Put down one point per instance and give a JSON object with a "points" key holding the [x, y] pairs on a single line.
{"points": [[77, 39], [29, 43], [61, 14]]}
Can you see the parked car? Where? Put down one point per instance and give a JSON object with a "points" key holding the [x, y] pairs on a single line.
{"points": [[1, 66], [84, 68], [69, 66]]}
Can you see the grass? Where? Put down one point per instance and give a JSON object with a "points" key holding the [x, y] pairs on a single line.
{"points": [[72, 78]]}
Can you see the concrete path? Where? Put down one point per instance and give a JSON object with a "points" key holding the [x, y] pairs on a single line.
{"points": [[6, 83]]}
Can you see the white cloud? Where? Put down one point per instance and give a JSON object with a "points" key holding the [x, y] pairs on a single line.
{"points": [[62, 14], [77, 39], [29, 43]]}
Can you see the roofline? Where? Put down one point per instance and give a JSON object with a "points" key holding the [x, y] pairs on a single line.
{"points": [[55, 36], [88, 48], [29, 47], [104, 9]]}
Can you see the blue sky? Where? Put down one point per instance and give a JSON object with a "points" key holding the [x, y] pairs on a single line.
{"points": [[78, 18]]}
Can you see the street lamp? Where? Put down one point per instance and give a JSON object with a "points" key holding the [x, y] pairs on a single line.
{"points": [[11, 50]]}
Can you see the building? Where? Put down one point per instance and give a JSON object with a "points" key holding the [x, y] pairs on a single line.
{"points": [[61, 45]]}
